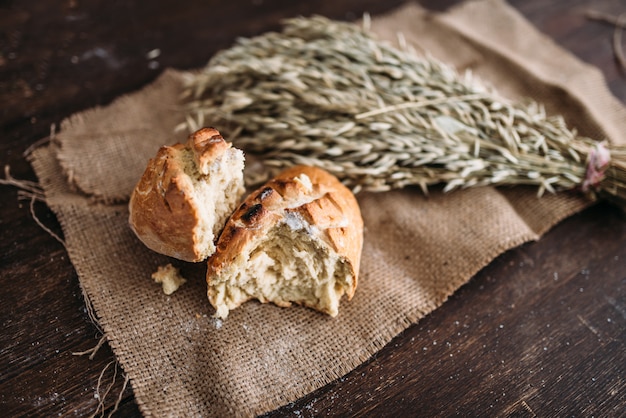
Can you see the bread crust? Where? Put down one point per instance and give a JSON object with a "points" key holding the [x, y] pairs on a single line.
{"points": [[325, 203], [162, 214]]}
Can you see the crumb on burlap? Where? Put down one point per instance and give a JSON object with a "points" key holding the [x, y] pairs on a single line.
{"points": [[169, 276]]}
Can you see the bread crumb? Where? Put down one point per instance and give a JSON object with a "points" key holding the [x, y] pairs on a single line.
{"points": [[169, 276], [304, 181]]}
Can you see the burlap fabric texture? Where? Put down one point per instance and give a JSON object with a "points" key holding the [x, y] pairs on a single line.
{"points": [[417, 251]]}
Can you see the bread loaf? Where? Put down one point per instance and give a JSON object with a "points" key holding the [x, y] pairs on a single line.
{"points": [[186, 194], [297, 239]]}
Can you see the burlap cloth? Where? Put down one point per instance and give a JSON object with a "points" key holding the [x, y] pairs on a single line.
{"points": [[417, 252]]}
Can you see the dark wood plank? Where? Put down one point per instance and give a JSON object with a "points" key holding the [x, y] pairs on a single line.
{"points": [[540, 331], [77, 55]]}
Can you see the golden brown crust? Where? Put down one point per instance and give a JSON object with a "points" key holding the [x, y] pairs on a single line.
{"points": [[207, 145], [162, 213], [325, 203]]}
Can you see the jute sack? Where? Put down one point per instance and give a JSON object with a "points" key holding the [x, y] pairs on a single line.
{"points": [[418, 250]]}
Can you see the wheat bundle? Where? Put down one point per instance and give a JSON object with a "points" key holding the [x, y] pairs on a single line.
{"points": [[329, 94]]}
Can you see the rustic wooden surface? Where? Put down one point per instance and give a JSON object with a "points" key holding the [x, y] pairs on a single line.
{"points": [[541, 331]]}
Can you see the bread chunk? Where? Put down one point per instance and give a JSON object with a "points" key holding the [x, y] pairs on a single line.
{"points": [[296, 239], [186, 194], [169, 277]]}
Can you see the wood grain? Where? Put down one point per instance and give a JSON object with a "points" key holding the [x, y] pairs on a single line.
{"points": [[539, 332]]}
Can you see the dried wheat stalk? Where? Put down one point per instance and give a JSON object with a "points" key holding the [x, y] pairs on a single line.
{"points": [[329, 94]]}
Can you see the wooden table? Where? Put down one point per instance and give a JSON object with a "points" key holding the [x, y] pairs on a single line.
{"points": [[541, 331]]}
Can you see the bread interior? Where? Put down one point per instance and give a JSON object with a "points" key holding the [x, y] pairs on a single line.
{"points": [[216, 194], [287, 265]]}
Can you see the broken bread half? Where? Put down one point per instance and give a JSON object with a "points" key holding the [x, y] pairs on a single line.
{"points": [[186, 194], [296, 239]]}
